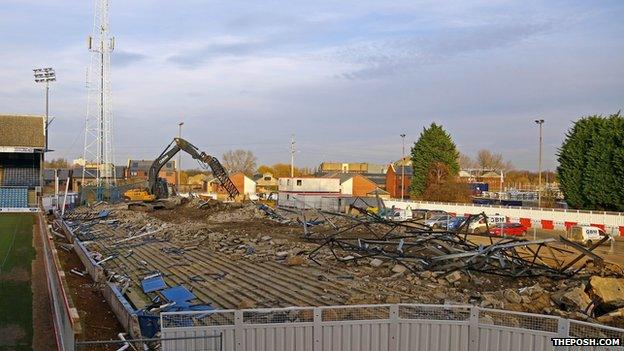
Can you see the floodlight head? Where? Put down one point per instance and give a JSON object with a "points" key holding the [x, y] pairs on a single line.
{"points": [[43, 75], [402, 135], [539, 121]]}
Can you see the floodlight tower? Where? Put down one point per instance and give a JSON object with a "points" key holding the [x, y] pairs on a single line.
{"points": [[46, 75], [98, 146]]}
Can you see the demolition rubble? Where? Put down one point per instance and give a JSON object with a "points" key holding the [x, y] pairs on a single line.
{"points": [[227, 255]]}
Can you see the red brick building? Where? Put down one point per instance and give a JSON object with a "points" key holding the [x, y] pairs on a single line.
{"points": [[394, 177], [139, 169]]}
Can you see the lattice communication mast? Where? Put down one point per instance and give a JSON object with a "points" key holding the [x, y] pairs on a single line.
{"points": [[98, 147]]}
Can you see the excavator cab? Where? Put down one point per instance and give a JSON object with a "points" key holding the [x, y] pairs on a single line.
{"points": [[161, 189]]}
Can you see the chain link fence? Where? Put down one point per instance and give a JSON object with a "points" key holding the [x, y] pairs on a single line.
{"points": [[90, 193]]}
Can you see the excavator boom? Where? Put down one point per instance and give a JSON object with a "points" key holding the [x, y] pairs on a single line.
{"points": [[159, 188]]}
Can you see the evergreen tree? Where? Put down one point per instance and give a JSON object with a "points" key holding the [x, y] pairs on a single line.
{"points": [[433, 146], [591, 163]]}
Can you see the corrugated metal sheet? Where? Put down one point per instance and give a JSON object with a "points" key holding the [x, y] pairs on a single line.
{"points": [[349, 336], [513, 339], [277, 337], [429, 335]]}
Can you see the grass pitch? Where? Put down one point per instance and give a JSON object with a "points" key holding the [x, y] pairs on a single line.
{"points": [[16, 255]]}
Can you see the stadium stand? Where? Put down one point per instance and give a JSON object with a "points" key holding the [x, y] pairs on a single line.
{"points": [[22, 147], [21, 177]]}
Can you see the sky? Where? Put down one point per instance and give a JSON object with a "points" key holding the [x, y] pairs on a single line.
{"points": [[345, 77]]}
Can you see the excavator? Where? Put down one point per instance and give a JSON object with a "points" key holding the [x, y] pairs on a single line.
{"points": [[158, 188]]}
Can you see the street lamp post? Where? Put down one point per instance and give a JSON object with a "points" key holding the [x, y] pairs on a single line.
{"points": [[179, 155], [45, 75], [540, 122], [403, 167]]}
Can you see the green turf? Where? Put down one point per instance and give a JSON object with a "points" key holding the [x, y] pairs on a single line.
{"points": [[16, 254]]}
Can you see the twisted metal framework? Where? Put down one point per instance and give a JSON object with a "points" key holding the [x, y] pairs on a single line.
{"points": [[98, 145], [419, 247]]}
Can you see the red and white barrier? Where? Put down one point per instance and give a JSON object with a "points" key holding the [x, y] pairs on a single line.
{"points": [[545, 218]]}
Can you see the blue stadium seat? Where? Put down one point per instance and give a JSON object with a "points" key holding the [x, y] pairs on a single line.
{"points": [[14, 197], [21, 177]]}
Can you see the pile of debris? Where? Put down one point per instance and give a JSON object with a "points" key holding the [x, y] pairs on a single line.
{"points": [[573, 277]]}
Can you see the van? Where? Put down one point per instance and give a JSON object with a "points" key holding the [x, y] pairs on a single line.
{"points": [[587, 235], [478, 226]]}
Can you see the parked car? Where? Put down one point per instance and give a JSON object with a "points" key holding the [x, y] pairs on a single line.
{"points": [[587, 235], [419, 213], [454, 223], [508, 229], [395, 214], [479, 226], [438, 221], [435, 213]]}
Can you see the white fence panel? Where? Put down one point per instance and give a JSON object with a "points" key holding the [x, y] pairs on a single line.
{"points": [[277, 337], [433, 335], [356, 336], [403, 327], [497, 338]]}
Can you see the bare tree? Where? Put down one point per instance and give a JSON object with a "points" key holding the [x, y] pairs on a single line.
{"points": [[239, 161], [438, 172], [488, 160], [442, 186], [465, 161], [56, 163]]}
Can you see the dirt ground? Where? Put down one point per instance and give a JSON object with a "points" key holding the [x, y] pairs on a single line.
{"points": [[97, 319]]}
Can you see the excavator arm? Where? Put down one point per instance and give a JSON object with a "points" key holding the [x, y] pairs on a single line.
{"points": [[159, 188]]}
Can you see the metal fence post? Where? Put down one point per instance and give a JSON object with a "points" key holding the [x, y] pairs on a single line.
{"points": [[473, 329], [393, 328], [563, 328], [317, 329], [238, 330]]}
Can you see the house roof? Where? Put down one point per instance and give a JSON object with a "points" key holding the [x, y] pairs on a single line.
{"points": [[399, 169], [259, 176], [144, 165], [490, 174], [48, 174], [407, 161], [464, 174], [378, 179], [241, 173], [378, 191], [339, 175], [22, 131]]}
